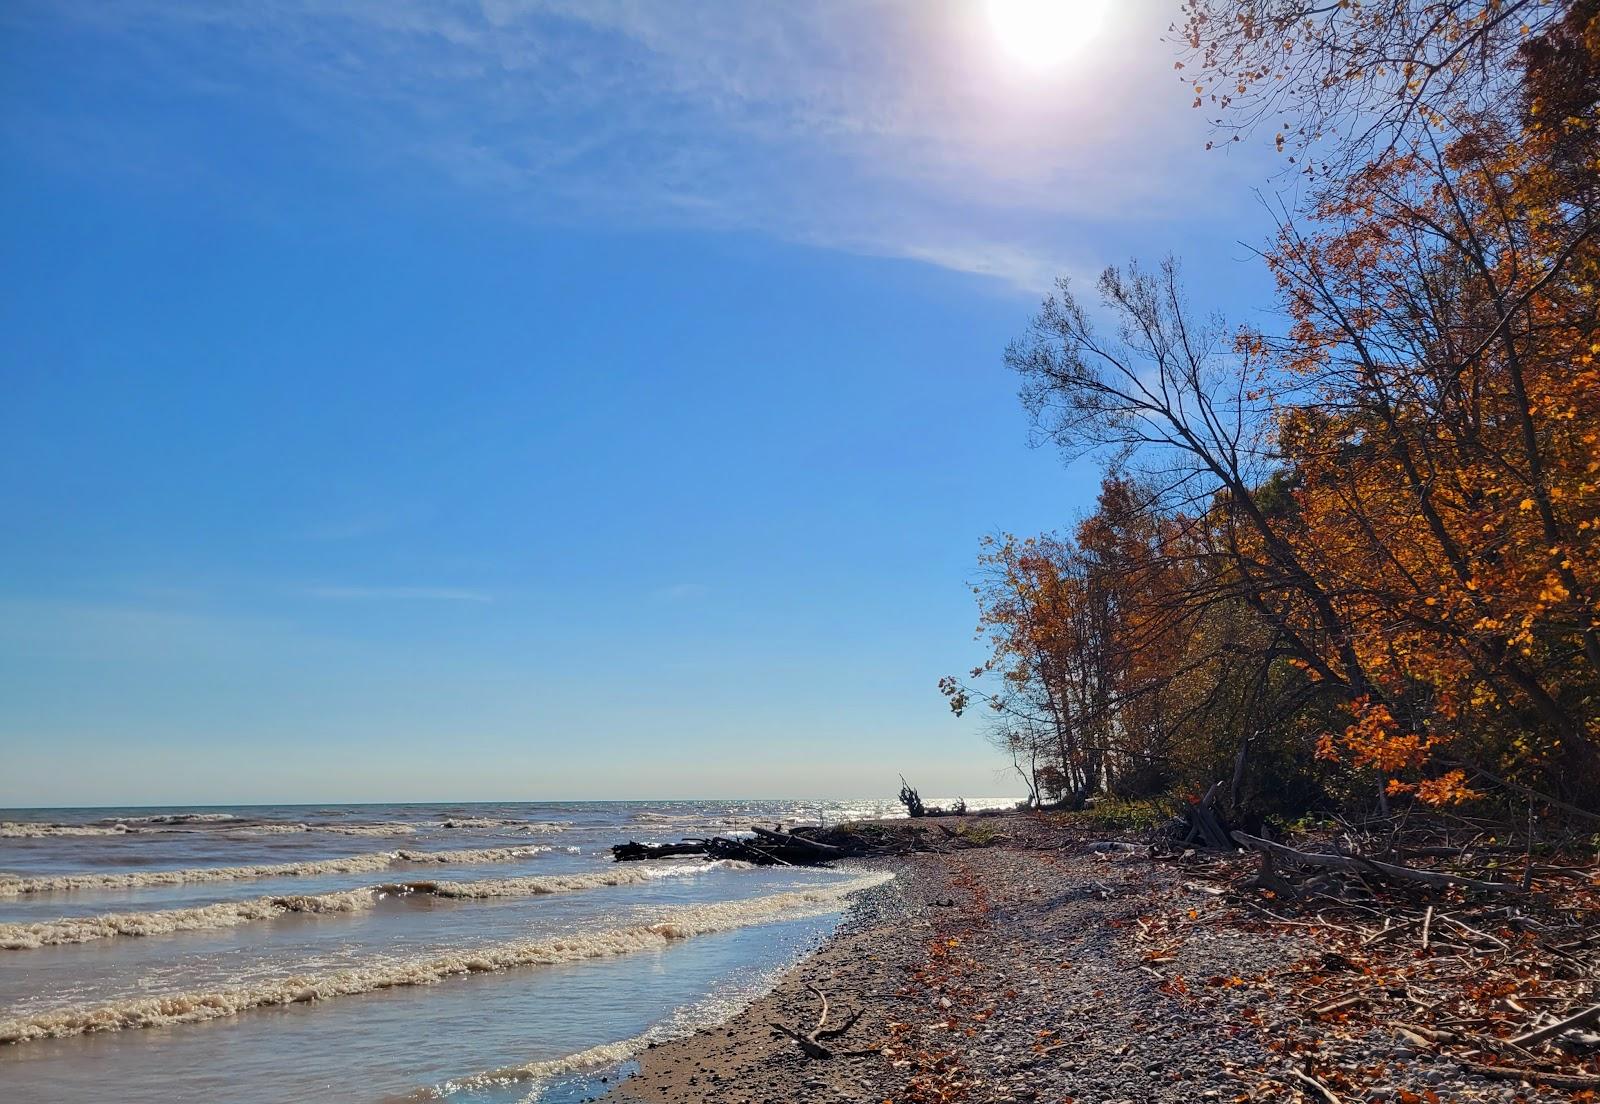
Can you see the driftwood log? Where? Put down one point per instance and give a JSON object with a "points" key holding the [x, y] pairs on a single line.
{"points": [[1200, 823], [767, 848], [1355, 865], [802, 846], [623, 852], [1550, 1031]]}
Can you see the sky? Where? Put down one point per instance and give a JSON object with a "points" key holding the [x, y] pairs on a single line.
{"points": [[524, 400]]}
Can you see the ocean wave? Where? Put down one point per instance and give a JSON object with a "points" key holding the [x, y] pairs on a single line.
{"points": [[596, 1057], [12, 885], [227, 823], [715, 1009], [224, 914], [540, 884], [28, 829], [389, 973], [395, 829], [66, 930], [472, 854]]}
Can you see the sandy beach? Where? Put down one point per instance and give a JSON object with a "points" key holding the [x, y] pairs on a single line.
{"points": [[1067, 970]]}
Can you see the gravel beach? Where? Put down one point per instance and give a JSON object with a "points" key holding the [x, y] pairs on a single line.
{"points": [[1065, 971]]}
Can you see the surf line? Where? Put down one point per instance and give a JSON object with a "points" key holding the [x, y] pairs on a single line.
{"points": [[68, 930], [12, 885], [674, 925]]}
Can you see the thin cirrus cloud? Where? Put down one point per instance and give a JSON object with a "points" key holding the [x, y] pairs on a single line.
{"points": [[894, 128], [681, 592], [396, 593]]}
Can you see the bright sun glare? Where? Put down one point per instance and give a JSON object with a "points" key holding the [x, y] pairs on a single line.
{"points": [[1043, 33]]}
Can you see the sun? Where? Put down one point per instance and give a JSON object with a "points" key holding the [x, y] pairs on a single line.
{"points": [[1044, 33]]}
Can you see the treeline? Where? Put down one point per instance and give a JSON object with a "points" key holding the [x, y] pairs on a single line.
{"points": [[1352, 559]]}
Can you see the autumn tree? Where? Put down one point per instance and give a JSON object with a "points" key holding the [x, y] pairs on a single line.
{"points": [[1366, 541], [1442, 309]]}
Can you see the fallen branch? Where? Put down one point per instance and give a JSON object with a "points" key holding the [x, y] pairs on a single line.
{"points": [[1550, 1031], [1315, 1086], [791, 839], [811, 1041], [1323, 861], [1534, 1077]]}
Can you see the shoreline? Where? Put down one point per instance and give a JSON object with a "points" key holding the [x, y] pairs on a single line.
{"points": [[1049, 968]]}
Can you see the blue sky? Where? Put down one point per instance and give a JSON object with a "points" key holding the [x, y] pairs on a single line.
{"points": [[538, 400]]}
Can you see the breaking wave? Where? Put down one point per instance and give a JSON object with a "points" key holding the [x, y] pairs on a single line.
{"points": [[395, 829], [229, 914], [389, 973], [606, 1054], [227, 823], [12, 885], [225, 914], [27, 829]]}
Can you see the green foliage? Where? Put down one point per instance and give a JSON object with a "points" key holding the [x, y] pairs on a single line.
{"points": [[978, 833], [1116, 814]]}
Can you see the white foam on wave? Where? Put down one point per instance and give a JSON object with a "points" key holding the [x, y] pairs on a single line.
{"points": [[395, 829], [539, 884], [12, 885], [68, 930], [718, 1007], [594, 1058], [144, 826], [518, 823], [225, 914], [28, 829], [388, 973], [472, 854]]}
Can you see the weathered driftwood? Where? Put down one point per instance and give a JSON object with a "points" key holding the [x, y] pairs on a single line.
{"points": [[811, 1041], [1315, 1086], [625, 852], [794, 839], [1550, 1031], [803, 846], [1534, 1077], [1355, 865], [812, 845], [768, 848], [1203, 819]]}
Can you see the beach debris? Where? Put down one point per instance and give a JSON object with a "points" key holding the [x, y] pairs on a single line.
{"points": [[814, 846], [911, 799], [1359, 865], [811, 1041]]}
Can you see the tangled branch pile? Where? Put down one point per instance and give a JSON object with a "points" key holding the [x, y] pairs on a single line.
{"points": [[1469, 945]]}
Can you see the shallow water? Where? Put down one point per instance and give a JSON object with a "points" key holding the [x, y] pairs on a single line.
{"points": [[279, 953]]}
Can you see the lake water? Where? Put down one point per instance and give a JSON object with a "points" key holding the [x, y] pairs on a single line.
{"points": [[476, 953]]}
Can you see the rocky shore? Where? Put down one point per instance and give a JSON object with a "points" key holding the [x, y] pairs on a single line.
{"points": [[1066, 971]]}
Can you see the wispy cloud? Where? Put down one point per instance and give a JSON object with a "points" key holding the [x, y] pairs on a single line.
{"points": [[681, 592], [360, 524], [891, 127], [396, 593]]}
